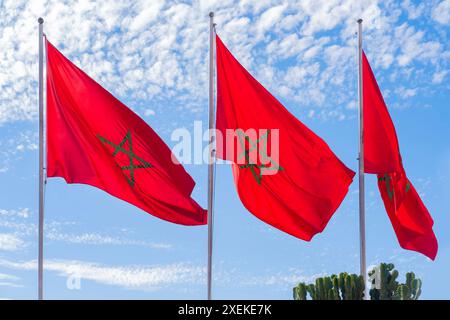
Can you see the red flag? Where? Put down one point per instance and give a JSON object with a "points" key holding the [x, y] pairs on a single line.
{"points": [[94, 139], [297, 191], [410, 218]]}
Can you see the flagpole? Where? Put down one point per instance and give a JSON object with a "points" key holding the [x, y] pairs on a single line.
{"points": [[211, 153], [41, 163], [362, 215]]}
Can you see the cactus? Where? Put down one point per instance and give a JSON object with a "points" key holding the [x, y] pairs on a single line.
{"points": [[341, 280], [411, 290], [388, 288], [358, 287], [389, 283], [415, 285], [402, 293], [312, 292], [351, 286], [300, 292], [334, 287], [387, 279]]}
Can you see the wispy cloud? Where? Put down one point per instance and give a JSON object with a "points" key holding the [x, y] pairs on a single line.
{"points": [[20, 230], [439, 76], [406, 92], [13, 148], [20, 213], [145, 277], [286, 279], [441, 13], [160, 276], [10, 242], [100, 239], [4, 276]]}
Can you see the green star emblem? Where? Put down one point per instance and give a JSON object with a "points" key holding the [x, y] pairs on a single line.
{"points": [[257, 170], [131, 156], [389, 189]]}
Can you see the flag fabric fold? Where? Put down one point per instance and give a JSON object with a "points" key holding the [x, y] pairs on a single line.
{"points": [[410, 218], [296, 191], [94, 139]]}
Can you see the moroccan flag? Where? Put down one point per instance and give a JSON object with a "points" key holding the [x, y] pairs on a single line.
{"points": [[94, 139], [410, 218], [284, 173]]}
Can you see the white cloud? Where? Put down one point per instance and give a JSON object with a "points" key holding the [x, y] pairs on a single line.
{"points": [[159, 276], [406, 92], [269, 18], [149, 112], [99, 239], [18, 226], [300, 75], [441, 13], [147, 12], [21, 213], [144, 277], [9, 277], [413, 11], [10, 242], [13, 148], [439, 76], [145, 51], [11, 285], [20, 230], [324, 15], [289, 279], [7, 280]]}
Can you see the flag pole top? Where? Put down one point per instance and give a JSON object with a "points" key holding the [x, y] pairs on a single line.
{"points": [[211, 14], [41, 20], [360, 20]]}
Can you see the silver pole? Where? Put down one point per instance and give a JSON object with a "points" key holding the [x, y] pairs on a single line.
{"points": [[362, 216], [41, 162], [211, 151]]}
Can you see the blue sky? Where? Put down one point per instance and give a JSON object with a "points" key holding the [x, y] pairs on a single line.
{"points": [[153, 57]]}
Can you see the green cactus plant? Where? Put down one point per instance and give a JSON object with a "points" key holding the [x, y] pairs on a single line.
{"points": [[334, 287], [386, 287], [300, 292], [384, 283], [411, 290], [312, 292], [358, 286]]}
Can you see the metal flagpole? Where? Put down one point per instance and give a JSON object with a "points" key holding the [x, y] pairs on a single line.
{"points": [[211, 152], [41, 162], [362, 216]]}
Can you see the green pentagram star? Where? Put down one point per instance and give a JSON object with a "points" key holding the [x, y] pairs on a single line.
{"points": [[262, 152], [389, 189], [119, 148]]}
